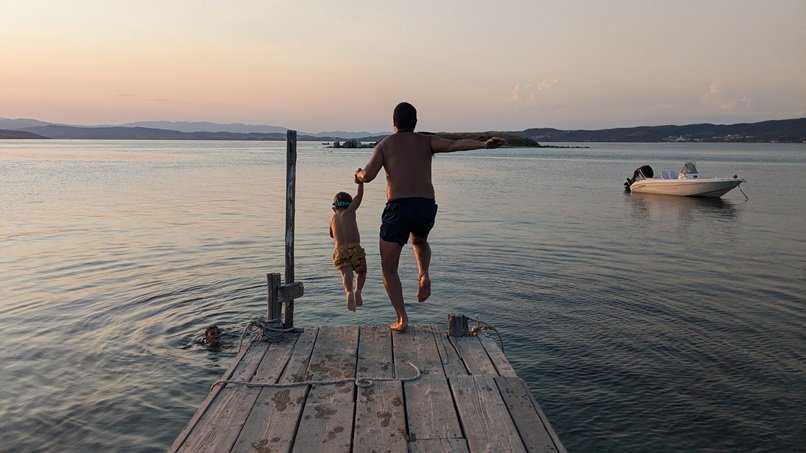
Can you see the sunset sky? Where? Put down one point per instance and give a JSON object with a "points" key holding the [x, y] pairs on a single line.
{"points": [[316, 65]]}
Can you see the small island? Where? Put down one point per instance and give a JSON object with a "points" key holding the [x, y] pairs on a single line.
{"points": [[353, 144], [512, 140]]}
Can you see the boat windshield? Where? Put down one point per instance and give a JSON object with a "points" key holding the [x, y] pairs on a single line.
{"points": [[689, 168]]}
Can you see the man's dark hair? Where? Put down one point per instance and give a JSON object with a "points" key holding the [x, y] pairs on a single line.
{"points": [[405, 116]]}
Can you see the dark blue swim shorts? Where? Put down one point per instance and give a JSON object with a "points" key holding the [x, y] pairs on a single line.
{"points": [[406, 216]]}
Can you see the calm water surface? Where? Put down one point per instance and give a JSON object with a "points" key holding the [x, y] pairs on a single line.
{"points": [[641, 323]]}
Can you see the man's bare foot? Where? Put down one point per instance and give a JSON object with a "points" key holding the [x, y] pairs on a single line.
{"points": [[350, 302], [424, 291], [399, 327], [358, 301]]}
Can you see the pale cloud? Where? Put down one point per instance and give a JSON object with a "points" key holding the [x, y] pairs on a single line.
{"points": [[719, 98], [528, 94]]}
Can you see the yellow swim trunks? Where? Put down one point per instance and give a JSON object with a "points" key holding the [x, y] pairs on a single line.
{"points": [[352, 256]]}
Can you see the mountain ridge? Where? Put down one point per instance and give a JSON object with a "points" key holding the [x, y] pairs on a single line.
{"points": [[785, 131]]}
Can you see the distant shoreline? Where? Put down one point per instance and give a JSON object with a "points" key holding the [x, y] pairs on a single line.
{"points": [[773, 131]]}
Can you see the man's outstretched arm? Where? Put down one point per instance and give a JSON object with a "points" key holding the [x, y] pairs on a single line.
{"points": [[443, 145]]}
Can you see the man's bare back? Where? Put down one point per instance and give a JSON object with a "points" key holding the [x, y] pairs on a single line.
{"points": [[406, 156], [410, 209]]}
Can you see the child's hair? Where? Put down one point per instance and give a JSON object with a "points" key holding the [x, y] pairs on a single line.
{"points": [[212, 329], [212, 336], [342, 200]]}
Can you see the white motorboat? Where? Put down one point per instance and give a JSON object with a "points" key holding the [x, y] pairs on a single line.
{"points": [[685, 183]]}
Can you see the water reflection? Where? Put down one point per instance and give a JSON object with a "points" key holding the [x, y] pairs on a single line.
{"points": [[669, 207]]}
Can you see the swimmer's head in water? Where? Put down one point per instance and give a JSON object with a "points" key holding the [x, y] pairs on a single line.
{"points": [[212, 336]]}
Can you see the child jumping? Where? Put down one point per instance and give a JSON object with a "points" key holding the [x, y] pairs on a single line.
{"points": [[348, 255]]}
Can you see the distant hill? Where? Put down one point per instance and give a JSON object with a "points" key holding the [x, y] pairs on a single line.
{"points": [[786, 131], [20, 123], [4, 134], [789, 131], [203, 126], [146, 133], [344, 134]]}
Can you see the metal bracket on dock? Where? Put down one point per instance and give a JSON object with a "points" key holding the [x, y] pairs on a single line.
{"points": [[457, 326]]}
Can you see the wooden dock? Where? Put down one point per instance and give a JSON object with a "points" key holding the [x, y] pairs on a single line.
{"points": [[463, 396], [364, 389]]}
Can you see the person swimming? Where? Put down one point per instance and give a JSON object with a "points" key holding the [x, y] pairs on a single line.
{"points": [[212, 336]]}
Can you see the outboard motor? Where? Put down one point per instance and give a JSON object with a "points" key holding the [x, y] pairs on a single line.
{"points": [[643, 172]]}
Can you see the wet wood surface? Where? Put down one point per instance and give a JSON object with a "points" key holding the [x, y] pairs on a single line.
{"points": [[353, 388]]}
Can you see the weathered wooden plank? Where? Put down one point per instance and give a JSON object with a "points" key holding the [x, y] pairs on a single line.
{"points": [[228, 425], [220, 427], [275, 360], [496, 356], [375, 352], [325, 427], [438, 445], [272, 424], [534, 427], [217, 426], [416, 345], [250, 362], [429, 409], [300, 357], [380, 420], [452, 364], [485, 417], [180, 439], [292, 291], [474, 355], [333, 358]]}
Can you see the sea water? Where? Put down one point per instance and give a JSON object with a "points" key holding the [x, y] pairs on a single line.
{"points": [[640, 322]]}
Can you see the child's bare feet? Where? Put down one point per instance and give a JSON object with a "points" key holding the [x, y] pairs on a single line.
{"points": [[399, 326], [424, 291], [358, 301], [350, 301]]}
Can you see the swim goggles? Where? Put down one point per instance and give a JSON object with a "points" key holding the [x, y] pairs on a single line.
{"points": [[341, 204]]}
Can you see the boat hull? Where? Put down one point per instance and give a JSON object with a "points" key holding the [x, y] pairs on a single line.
{"points": [[712, 187]]}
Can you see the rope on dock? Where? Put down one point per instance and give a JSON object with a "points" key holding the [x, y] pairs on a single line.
{"points": [[481, 325], [359, 382], [270, 330]]}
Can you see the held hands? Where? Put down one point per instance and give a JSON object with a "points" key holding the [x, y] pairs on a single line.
{"points": [[359, 176], [493, 142]]}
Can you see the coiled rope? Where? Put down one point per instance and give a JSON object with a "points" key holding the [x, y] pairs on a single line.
{"points": [[359, 382], [481, 325], [270, 330]]}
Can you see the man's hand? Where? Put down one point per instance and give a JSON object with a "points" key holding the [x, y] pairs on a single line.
{"points": [[359, 176], [493, 142]]}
